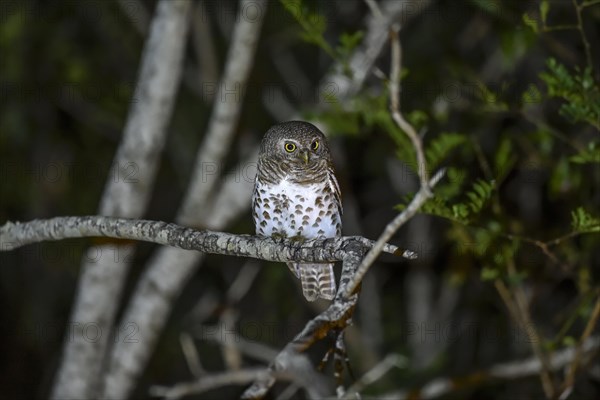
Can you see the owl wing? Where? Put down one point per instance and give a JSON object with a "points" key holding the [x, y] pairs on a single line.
{"points": [[335, 189]]}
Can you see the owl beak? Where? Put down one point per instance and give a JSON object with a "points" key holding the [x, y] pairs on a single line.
{"points": [[304, 156]]}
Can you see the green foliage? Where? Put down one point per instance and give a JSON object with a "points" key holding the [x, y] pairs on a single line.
{"points": [[544, 9], [462, 212], [314, 26], [531, 22], [582, 221], [504, 159], [591, 155], [439, 148], [489, 273], [579, 90], [348, 42], [532, 95], [479, 195]]}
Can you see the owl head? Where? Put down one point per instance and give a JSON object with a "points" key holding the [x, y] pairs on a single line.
{"points": [[298, 147]]}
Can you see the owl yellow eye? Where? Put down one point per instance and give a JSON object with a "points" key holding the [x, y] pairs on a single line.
{"points": [[314, 145], [290, 147]]}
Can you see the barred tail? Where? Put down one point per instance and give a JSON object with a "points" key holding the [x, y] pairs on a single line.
{"points": [[317, 280]]}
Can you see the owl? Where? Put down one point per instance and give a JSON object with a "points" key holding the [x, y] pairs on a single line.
{"points": [[296, 195]]}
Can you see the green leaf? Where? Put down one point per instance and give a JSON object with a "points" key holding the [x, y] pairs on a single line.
{"points": [[582, 221], [479, 195], [530, 22], [504, 159], [417, 118], [591, 155], [579, 91], [489, 274], [313, 25], [439, 148], [349, 41], [544, 8], [532, 95]]}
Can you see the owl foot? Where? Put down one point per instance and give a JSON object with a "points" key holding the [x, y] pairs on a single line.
{"points": [[278, 237], [298, 239]]}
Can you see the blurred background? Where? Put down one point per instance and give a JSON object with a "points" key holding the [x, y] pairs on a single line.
{"points": [[505, 94]]}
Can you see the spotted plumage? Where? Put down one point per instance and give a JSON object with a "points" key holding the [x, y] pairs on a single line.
{"points": [[296, 195]]}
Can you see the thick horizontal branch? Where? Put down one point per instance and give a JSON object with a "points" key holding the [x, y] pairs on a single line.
{"points": [[14, 235]]}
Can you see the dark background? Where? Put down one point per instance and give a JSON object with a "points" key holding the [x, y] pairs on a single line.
{"points": [[67, 80]]}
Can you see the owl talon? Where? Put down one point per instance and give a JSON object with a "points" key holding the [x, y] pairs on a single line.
{"points": [[278, 237], [298, 239]]}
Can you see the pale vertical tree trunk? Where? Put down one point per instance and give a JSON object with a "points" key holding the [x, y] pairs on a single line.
{"points": [[151, 303], [126, 194]]}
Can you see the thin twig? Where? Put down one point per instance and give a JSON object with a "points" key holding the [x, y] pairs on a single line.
{"points": [[209, 382], [374, 374], [375, 10], [584, 41], [505, 371], [395, 107], [424, 192], [413, 207], [250, 348], [522, 309], [191, 355], [570, 378]]}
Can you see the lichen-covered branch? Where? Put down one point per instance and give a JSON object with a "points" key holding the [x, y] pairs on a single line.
{"points": [[14, 235], [349, 250]]}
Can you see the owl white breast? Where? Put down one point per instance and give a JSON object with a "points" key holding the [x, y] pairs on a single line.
{"points": [[291, 209]]}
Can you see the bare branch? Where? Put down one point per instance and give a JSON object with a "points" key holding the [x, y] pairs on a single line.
{"points": [[362, 60], [149, 307], [567, 386], [395, 107], [250, 348], [14, 235], [226, 111], [521, 307], [191, 355], [210, 382], [337, 316], [424, 192], [413, 207], [374, 374], [100, 286], [506, 371]]}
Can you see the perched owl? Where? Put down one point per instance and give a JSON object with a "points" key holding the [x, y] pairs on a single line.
{"points": [[297, 196]]}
